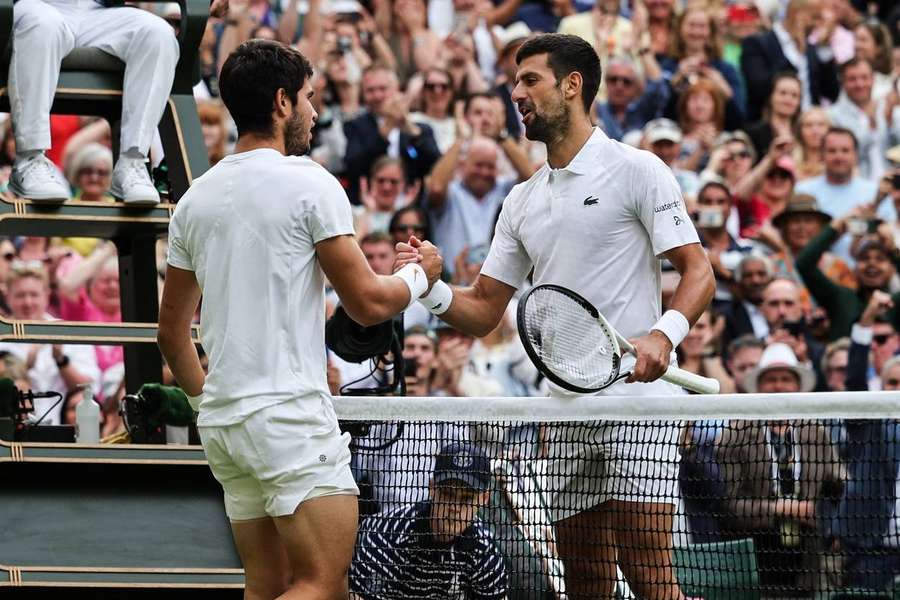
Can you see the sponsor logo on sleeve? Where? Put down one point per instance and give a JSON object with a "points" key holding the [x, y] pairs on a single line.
{"points": [[673, 205]]}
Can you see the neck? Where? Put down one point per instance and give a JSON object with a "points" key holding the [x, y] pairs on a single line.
{"points": [[781, 123], [252, 141], [437, 111], [562, 150]]}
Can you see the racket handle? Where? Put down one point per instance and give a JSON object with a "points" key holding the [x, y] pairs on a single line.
{"points": [[691, 381]]}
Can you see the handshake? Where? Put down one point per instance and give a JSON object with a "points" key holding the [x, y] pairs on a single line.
{"points": [[423, 253]]}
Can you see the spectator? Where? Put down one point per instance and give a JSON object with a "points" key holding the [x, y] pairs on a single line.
{"points": [[834, 364], [404, 27], [699, 354], [386, 128], [839, 189], [44, 33], [812, 127], [743, 315], [798, 224], [701, 116], [378, 249], [631, 101], [420, 356], [661, 18], [763, 193], [438, 547], [783, 310], [874, 123], [696, 54], [215, 131], [873, 45], [873, 272], [88, 170], [409, 221], [785, 48], [743, 355], [512, 39], [743, 19], [381, 194], [724, 251], [779, 502], [663, 138], [458, 56], [437, 107], [780, 115], [464, 207], [51, 368], [732, 158]]}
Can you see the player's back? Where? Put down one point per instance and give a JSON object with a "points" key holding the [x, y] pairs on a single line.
{"points": [[248, 228]]}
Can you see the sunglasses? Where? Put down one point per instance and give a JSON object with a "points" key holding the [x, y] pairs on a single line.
{"points": [[390, 180], [881, 338], [892, 382], [615, 79], [741, 154], [778, 175], [89, 171], [406, 228], [437, 87]]}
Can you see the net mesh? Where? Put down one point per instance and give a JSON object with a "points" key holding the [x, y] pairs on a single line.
{"points": [[570, 342], [752, 496]]}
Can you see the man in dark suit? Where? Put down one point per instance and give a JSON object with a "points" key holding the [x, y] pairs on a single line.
{"points": [[785, 48], [385, 128], [742, 315]]}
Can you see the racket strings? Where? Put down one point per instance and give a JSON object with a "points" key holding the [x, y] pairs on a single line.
{"points": [[570, 341]]}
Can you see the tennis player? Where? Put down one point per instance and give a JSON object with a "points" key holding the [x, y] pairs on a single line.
{"points": [[596, 218], [256, 235]]}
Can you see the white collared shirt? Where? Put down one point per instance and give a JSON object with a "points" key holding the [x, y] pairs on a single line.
{"points": [[760, 325], [597, 226]]}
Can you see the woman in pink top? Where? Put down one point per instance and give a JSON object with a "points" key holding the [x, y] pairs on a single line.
{"points": [[89, 291]]}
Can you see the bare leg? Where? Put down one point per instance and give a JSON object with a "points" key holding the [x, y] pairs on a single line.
{"points": [[643, 533], [319, 539], [586, 545], [267, 571]]}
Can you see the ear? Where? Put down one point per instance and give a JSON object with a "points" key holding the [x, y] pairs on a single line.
{"points": [[572, 85], [283, 103]]}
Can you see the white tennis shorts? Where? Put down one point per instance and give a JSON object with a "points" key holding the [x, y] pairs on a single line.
{"points": [[279, 457], [591, 463]]}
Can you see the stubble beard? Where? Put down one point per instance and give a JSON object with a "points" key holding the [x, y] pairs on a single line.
{"points": [[550, 127], [296, 136]]}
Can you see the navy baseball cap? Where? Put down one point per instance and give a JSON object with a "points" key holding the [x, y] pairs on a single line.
{"points": [[465, 462]]}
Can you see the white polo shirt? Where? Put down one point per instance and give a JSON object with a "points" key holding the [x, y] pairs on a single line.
{"points": [[248, 228], [597, 226]]}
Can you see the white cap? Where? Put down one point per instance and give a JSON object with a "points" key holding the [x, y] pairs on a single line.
{"points": [[658, 130], [516, 32], [780, 356]]}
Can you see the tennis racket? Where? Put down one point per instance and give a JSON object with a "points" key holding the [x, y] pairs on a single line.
{"points": [[576, 348]]}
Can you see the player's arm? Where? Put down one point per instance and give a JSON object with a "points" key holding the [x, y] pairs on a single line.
{"points": [[181, 294], [368, 298], [697, 286], [477, 309]]}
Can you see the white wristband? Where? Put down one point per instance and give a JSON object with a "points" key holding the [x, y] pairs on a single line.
{"points": [[438, 299], [415, 279], [674, 325], [195, 401]]}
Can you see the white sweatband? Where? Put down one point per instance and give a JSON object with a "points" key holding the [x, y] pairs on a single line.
{"points": [[438, 299], [415, 279], [195, 401], [674, 326]]}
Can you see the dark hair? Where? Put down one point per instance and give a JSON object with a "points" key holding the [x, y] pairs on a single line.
{"points": [[567, 54], [748, 340], [475, 95], [412, 208], [251, 78], [882, 35], [841, 131], [853, 62], [779, 77]]}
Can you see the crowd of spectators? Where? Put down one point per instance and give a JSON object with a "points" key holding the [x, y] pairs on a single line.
{"points": [[780, 120]]}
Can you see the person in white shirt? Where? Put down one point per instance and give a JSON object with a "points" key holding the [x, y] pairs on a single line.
{"points": [[597, 218], [257, 235], [51, 368]]}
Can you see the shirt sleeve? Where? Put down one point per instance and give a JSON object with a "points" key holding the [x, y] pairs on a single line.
{"points": [[489, 581], [660, 206], [377, 561], [507, 260], [178, 255], [327, 213]]}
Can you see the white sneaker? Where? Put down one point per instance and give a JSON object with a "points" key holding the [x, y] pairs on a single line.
{"points": [[37, 178], [131, 182]]}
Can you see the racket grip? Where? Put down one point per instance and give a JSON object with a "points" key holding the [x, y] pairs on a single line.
{"points": [[691, 381]]}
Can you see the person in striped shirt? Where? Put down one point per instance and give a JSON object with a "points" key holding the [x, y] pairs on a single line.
{"points": [[437, 548]]}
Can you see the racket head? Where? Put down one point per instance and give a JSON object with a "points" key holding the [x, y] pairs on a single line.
{"points": [[567, 339]]}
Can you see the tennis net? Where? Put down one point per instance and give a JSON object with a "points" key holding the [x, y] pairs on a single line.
{"points": [[745, 496]]}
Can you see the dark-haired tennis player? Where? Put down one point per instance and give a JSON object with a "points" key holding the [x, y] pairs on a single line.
{"points": [[256, 235], [596, 218]]}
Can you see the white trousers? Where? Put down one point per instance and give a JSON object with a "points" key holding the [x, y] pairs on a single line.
{"points": [[45, 31]]}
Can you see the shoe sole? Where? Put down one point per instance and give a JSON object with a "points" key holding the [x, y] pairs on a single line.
{"points": [[49, 199], [145, 202]]}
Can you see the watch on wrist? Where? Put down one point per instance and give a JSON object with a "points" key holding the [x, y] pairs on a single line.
{"points": [[62, 362], [502, 136]]}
